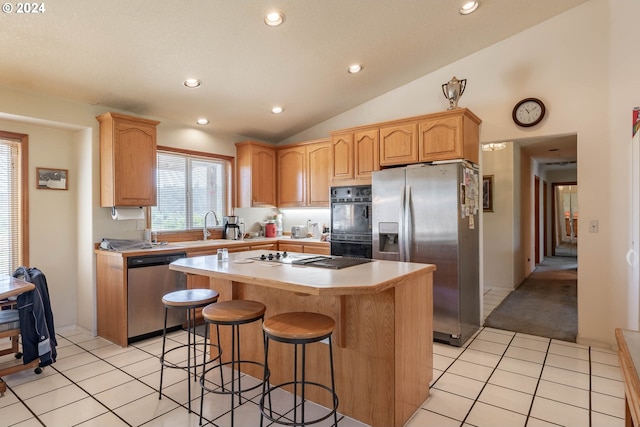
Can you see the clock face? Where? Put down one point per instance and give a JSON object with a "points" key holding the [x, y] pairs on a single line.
{"points": [[528, 112]]}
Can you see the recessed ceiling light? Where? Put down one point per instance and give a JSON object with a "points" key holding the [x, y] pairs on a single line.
{"points": [[274, 19], [202, 121], [355, 68], [469, 7], [191, 83], [277, 110]]}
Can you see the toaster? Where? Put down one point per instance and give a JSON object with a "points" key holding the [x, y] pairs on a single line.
{"points": [[298, 232]]}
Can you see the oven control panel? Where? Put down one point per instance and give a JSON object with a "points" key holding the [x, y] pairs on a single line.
{"points": [[359, 193]]}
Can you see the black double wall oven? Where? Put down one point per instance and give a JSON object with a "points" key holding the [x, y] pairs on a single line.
{"points": [[351, 221]]}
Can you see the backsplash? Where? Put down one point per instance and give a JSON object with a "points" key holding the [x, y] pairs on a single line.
{"points": [[291, 217]]}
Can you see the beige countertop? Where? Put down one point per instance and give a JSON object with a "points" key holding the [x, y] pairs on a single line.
{"points": [[210, 243], [375, 276]]}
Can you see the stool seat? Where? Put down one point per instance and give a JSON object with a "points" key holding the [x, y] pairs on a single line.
{"points": [[190, 297], [299, 326], [234, 312]]}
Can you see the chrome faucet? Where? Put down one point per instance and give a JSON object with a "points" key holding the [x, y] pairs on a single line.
{"points": [[205, 232]]}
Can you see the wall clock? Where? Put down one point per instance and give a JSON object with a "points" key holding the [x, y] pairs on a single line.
{"points": [[528, 112]]}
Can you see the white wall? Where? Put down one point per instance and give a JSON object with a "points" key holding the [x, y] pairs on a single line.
{"points": [[498, 226], [53, 215], [581, 65]]}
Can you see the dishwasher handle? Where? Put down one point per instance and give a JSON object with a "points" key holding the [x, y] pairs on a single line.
{"points": [[151, 260]]}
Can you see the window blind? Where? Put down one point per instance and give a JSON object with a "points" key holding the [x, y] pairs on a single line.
{"points": [[10, 206], [188, 187]]}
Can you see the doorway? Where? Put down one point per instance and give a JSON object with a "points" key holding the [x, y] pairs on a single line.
{"points": [[565, 219]]}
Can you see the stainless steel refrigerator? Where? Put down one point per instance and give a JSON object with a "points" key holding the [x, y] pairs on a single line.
{"points": [[428, 213]]}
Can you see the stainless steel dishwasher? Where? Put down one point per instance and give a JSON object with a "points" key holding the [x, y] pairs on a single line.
{"points": [[149, 279]]}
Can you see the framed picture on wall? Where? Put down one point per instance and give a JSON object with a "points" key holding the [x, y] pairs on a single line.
{"points": [[52, 179], [487, 193]]}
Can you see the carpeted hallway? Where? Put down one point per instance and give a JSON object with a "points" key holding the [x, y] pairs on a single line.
{"points": [[545, 303]]}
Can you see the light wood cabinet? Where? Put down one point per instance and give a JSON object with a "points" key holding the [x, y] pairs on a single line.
{"points": [[303, 175], [127, 160], [292, 171], [448, 135], [290, 247], [255, 175], [354, 155], [451, 135], [399, 144], [342, 156], [305, 247], [366, 153], [316, 248], [318, 178], [264, 246]]}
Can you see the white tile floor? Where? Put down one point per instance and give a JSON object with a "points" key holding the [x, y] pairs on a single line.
{"points": [[498, 378]]}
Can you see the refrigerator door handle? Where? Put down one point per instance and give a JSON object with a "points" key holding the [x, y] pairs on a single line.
{"points": [[406, 232], [401, 236]]}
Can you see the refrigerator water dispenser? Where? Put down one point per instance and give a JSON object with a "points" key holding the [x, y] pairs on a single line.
{"points": [[388, 237]]}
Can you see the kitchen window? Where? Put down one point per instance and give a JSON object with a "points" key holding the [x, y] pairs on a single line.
{"points": [[189, 185], [14, 210]]}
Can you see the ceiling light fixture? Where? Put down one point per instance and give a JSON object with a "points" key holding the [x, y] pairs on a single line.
{"points": [[277, 110], [494, 146], [468, 7], [202, 121], [274, 19], [192, 83], [355, 68]]}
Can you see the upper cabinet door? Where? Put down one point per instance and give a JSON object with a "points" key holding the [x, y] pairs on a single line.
{"points": [[342, 156], [292, 172], [318, 178], [127, 161], [263, 177], [366, 153], [255, 175], [451, 136], [399, 144]]}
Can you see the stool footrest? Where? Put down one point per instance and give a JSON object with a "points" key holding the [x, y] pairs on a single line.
{"points": [[221, 389], [172, 365], [266, 411]]}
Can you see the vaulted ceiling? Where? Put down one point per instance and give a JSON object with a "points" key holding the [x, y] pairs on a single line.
{"points": [[135, 55]]}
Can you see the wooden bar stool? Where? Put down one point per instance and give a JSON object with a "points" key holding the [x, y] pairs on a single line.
{"points": [[231, 313], [299, 328], [189, 300]]}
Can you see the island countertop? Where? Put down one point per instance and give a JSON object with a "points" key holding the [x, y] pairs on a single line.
{"points": [[371, 277], [383, 336]]}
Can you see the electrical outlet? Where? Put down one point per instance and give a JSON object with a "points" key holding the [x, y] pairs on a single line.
{"points": [[140, 224], [593, 226]]}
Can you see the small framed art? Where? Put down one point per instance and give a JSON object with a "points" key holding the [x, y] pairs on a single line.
{"points": [[487, 193], [52, 179]]}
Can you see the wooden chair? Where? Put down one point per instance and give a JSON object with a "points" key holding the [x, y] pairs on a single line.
{"points": [[10, 328]]}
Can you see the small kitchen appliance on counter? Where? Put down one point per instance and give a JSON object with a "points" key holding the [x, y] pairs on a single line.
{"points": [[298, 232], [231, 228]]}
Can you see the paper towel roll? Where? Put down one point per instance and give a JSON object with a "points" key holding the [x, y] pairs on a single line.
{"points": [[120, 214]]}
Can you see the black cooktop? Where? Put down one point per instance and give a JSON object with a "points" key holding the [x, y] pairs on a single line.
{"points": [[313, 260]]}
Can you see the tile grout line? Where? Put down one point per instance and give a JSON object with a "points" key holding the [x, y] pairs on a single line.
{"points": [[535, 391], [488, 378]]}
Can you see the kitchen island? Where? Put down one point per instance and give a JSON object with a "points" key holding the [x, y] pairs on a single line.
{"points": [[383, 341]]}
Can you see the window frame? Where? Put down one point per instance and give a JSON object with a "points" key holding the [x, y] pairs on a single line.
{"points": [[194, 234], [23, 139]]}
